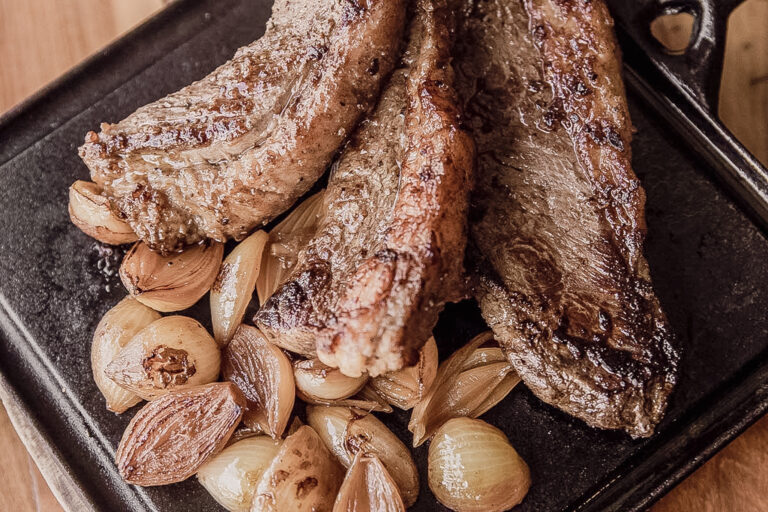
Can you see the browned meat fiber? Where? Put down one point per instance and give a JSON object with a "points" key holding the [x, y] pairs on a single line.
{"points": [[230, 152], [557, 221], [367, 289]]}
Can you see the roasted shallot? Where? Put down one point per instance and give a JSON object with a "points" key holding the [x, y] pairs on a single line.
{"points": [[285, 241], [173, 282], [170, 353], [316, 381], [303, 476], [233, 288], [368, 487], [90, 211], [347, 432], [474, 379], [115, 330], [265, 376], [474, 468], [231, 476], [171, 437], [405, 388]]}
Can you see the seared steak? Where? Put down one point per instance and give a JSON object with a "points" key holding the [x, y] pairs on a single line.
{"points": [[557, 221], [367, 290], [232, 151]]}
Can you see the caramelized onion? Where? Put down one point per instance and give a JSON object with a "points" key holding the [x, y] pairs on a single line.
{"points": [[174, 282], [264, 375], [285, 241], [115, 330], [471, 381], [233, 288], [170, 353]]}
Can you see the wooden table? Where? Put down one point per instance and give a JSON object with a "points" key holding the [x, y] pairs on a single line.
{"points": [[40, 39]]}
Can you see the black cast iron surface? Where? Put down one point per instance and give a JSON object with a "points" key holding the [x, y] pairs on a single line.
{"points": [[708, 256]]}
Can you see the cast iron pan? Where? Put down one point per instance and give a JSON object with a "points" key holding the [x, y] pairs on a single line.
{"points": [[707, 211]]}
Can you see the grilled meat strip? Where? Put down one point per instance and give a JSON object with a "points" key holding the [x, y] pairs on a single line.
{"points": [[557, 222], [232, 151], [367, 289]]}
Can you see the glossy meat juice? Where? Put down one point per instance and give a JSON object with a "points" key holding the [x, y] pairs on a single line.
{"points": [[557, 221]]}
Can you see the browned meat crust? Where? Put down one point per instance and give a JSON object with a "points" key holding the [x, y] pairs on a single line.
{"points": [[230, 152], [360, 195], [558, 214], [388, 254]]}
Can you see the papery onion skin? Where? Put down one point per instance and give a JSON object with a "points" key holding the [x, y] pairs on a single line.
{"points": [[346, 432], [114, 331], [265, 376], [170, 438], [317, 381], [231, 476], [366, 400], [474, 468], [303, 476], [368, 487], [405, 388], [173, 352], [233, 288], [90, 211], [173, 282], [471, 381]]}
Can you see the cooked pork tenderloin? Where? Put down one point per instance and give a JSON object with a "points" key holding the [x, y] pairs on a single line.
{"points": [[367, 290], [232, 151], [557, 222]]}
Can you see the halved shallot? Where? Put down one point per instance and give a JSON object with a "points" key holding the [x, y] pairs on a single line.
{"points": [[265, 376], [405, 388], [233, 288], [231, 476], [171, 437], [285, 241], [173, 282], [366, 400], [471, 381], [89, 210], [170, 353], [317, 381], [303, 476], [115, 330], [347, 432], [368, 487]]}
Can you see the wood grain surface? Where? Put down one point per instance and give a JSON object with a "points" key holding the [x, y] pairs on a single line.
{"points": [[41, 39]]}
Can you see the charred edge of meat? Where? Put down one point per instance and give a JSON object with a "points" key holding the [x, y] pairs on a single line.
{"points": [[603, 385], [397, 294], [563, 282]]}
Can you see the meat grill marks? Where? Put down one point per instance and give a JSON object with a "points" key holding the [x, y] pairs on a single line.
{"points": [[367, 290], [557, 220], [232, 151]]}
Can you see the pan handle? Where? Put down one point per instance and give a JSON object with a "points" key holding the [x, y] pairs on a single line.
{"points": [[699, 68]]}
